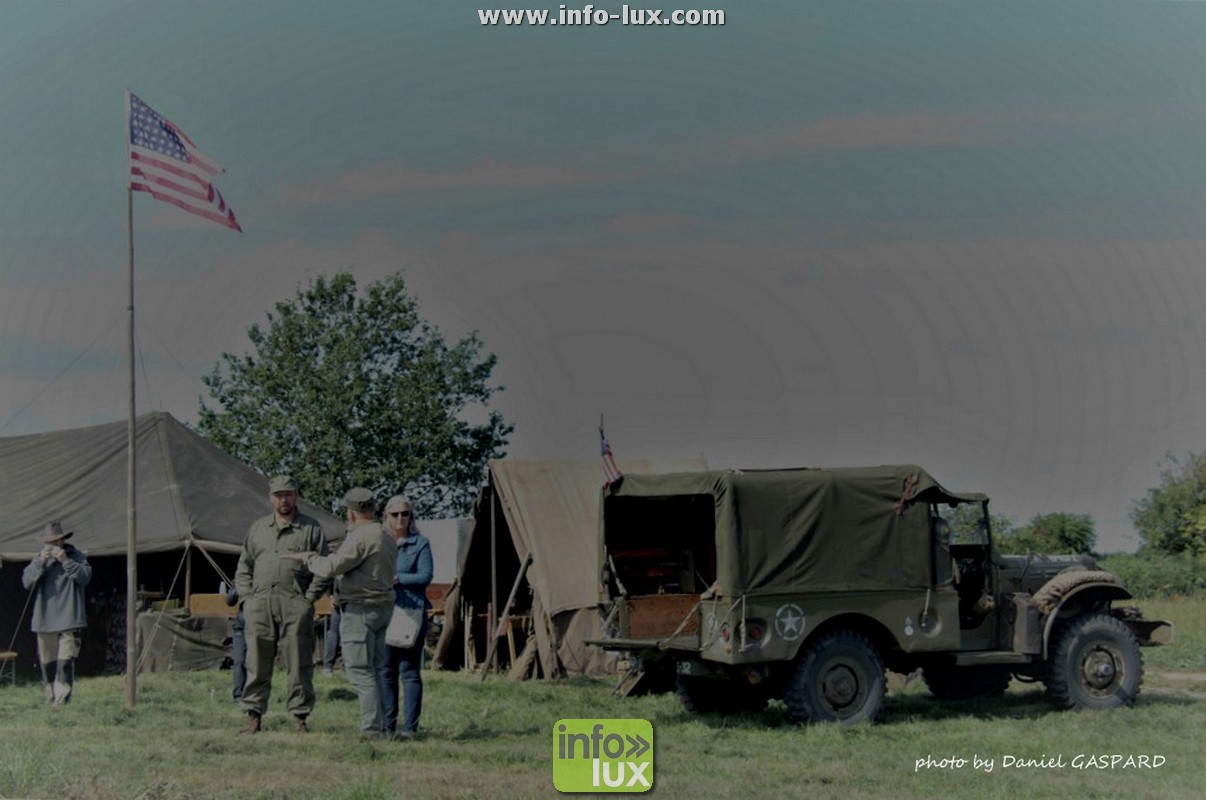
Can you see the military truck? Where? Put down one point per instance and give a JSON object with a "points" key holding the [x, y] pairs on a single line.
{"points": [[807, 584]]}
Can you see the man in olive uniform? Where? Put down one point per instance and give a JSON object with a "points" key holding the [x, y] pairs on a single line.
{"points": [[278, 595], [363, 568]]}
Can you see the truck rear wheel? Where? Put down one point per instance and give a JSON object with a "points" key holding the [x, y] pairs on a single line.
{"points": [[839, 678], [1095, 664]]}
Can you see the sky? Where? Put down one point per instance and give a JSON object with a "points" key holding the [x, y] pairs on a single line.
{"points": [[967, 235]]}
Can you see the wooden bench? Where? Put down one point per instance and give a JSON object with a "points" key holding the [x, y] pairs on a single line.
{"points": [[8, 661]]}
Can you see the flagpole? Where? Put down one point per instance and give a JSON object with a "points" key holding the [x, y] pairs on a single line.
{"points": [[164, 154], [131, 495]]}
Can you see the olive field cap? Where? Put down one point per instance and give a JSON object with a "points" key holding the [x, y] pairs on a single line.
{"points": [[359, 499], [282, 483], [52, 532]]}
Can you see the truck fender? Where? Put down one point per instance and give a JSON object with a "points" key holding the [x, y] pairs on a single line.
{"points": [[1094, 585]]}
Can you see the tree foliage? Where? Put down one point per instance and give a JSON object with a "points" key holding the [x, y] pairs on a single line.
{"points": [[1055, 533], [1172, 517], [349, 389], [966, 518], [1152, 573]]}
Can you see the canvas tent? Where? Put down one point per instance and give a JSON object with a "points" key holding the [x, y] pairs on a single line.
{"points": [[549, 510], [448, 538], [194, 504]]}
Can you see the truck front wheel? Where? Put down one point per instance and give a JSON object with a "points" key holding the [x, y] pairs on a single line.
{"points": [[1095, 664], [839, 678]]}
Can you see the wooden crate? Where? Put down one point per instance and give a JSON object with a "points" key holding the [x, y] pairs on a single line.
{"points": [[210, 605], [659, 615]]}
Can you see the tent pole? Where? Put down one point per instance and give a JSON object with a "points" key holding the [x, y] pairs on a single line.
{"points": [[504, 618], [188, 574], [131, 495], [490, 612]]}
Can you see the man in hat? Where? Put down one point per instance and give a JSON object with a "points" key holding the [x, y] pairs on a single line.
{"points": [[57, 575], [278, 595], [363, 569]]}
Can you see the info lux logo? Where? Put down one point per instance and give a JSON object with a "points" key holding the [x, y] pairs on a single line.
{"points": [[603, 755]]}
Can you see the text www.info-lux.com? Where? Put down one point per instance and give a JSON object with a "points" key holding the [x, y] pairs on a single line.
{"points": [[590, 15]]}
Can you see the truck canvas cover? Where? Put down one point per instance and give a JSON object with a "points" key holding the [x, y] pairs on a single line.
{"points": [[834, 530]]}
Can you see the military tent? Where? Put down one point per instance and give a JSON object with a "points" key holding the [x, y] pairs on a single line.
{"points": [[194, 504], [548, 510]]}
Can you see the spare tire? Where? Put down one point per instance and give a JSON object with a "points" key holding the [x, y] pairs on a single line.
{"points": [[1053, 591]]}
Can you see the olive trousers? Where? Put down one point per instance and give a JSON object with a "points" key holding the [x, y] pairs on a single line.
{"points": [[278, 623]]}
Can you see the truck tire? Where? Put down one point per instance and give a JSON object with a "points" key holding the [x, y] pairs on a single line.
{"points": [[838, 678], [1095, 663], [948, 682]]}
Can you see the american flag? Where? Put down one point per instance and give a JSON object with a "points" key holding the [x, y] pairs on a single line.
{"points": [[166, 163], [610, 470]]}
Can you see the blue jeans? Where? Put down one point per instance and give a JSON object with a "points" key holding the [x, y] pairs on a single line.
{"points": [[362, 633], [403, 663], [238, 656], [330, 643]]}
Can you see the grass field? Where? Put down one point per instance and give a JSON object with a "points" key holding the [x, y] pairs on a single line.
{"points": [[494, 740]]}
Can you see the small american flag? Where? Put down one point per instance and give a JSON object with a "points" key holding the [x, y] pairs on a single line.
{"points": [[166, 163], [610, 470]]}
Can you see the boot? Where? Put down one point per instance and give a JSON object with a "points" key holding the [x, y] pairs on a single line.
{"points": [[64, 682], [299, 724], [49, 672], [253, 722]]}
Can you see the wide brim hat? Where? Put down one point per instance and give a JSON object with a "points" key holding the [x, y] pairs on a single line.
{"points": [[53, 532]]}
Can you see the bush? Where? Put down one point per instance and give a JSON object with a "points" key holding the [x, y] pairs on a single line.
{"points": [[1151, 573]]}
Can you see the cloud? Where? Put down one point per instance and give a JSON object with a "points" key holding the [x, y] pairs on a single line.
{"points": [[866, 132], [393, 178], [1019, 123], [644, 224]]}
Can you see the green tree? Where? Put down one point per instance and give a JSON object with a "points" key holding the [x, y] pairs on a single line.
{"points": [[1058, 532], [1172, 517], [347, 389], [966, 519]]}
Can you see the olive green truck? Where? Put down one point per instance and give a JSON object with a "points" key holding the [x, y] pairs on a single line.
{"points": [[807, 584]]}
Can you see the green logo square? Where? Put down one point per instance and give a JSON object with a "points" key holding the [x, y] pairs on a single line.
{"points": [[603, 755]]}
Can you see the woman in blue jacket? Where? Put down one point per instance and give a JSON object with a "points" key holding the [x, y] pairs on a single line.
{"points": [[412, 574]]}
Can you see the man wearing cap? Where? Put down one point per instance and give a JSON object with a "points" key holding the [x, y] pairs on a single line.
{"points": [[57, 576], [278, 595], [363, 569]]}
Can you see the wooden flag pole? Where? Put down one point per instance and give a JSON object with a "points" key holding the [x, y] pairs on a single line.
{"points": [[131, 494]]}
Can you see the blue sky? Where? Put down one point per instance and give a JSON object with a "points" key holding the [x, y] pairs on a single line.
{"points": [[967, 235]]}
